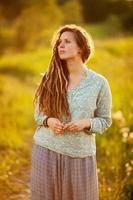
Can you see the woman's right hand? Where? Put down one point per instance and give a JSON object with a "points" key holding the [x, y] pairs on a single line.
{"points": [[56, 125]]}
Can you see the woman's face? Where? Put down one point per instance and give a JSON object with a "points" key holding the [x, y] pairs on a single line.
{"points": [[68, 48]]}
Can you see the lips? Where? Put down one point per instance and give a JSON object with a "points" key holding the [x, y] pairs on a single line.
{"points": [[61, 51]]}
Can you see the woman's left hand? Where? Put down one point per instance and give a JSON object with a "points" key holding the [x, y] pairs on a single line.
{"points": [[77, 125]]}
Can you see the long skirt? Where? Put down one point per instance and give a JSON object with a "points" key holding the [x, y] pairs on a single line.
{"points": [[55, 176]]}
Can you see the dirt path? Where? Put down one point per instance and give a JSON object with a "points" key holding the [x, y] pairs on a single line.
{"points": [[22, 182]]}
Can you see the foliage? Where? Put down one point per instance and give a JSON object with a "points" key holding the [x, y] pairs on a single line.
{"points": [[75, 12], [19, 75]]}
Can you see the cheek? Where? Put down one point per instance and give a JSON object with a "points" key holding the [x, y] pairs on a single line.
{"points": [[72, 49]]}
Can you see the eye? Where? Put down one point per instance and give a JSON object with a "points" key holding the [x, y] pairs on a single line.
{"points": [[67, 41]]}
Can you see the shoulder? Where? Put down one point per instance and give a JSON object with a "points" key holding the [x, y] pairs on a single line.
{"points": [[98, 78]]}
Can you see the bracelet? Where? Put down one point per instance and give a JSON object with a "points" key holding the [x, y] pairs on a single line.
{"points": [[87, 131], [45, 122]]}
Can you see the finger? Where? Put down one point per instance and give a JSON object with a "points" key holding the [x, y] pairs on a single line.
{"points": [[58, 130], [68, 125], [65, 126], [56, 133], [59, 125], [68, 128], [73, 128]]}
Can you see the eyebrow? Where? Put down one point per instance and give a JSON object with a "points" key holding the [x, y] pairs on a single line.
{"points": [[64, 39]]}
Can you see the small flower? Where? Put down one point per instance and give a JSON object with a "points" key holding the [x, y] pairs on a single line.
{"points": [[127, 165], [10, 173], [131, 135], [112, 167], [109, 189], [98, 170], [131, 161], [128, 173], [125, 134], [124, 139], [124, 129], [117, 115]]}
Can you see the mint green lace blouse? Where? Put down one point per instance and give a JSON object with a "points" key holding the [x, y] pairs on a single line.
{"points": [[90, 99]]}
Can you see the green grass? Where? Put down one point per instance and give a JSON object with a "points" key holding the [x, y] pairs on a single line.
{"points": [[19, 75]]}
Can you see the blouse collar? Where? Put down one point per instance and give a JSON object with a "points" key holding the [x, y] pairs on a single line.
{"points": [[83, 82]]}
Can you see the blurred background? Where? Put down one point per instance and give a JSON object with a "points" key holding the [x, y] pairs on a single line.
{"points": [[26, 30]]}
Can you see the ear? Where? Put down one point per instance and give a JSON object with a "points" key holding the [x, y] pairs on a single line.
{"points": [[79, 51]]}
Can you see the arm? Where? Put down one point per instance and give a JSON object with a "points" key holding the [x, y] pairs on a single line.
{"points": [[39, 118], [102, 119]]}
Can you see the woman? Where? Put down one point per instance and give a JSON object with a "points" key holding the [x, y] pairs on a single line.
{"points": [[73, 104]]}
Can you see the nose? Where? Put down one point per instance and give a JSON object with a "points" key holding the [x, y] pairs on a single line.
{"points": [[61, 45]]}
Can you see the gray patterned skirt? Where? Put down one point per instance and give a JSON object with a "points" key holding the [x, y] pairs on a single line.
{"points": [[55, 176]]}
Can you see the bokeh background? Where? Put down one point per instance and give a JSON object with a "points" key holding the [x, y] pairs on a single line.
{"points": [[26, 30]]}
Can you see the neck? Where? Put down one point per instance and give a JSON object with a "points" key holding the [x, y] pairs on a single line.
{"points": [[75, 67]]}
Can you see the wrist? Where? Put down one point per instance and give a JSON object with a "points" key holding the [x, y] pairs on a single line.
{"points": [[87, 127], [48, 121], [45, 122], [87, 124]]}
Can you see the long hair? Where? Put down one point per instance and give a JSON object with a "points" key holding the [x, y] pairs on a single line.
{"points": [[51, 93]]}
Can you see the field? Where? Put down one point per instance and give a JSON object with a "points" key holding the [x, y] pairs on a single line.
{"points": [[19, 76]]}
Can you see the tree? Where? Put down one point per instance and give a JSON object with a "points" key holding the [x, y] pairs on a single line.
{"points": [[33, 25], [100, 10], [94, 10], [72, 12]]}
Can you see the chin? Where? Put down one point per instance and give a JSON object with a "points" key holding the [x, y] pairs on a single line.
{"points": [[65, 57]]}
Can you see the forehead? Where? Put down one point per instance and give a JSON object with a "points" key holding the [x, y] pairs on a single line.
{"points": [[67, 35]]}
